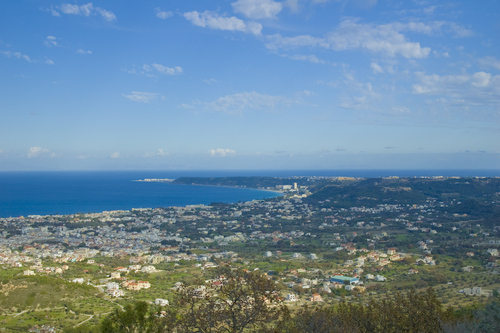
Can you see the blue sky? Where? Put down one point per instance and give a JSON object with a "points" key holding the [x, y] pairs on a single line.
{"points": [[249, 84]]}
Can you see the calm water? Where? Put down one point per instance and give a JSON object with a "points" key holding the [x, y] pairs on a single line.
{"points": [[44, 193]]}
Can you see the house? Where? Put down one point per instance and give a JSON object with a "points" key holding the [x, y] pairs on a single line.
{"points": [[313, 256], [380, 278], [292, 297], [391, 251], [161, 302], [115, 292], [28, 272], [316, 298], [148, 269], [144, 284], [493, 252], [112, 286], [326, 289]]}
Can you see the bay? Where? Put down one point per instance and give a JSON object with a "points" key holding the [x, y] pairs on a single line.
{"points": [[48, 193]]}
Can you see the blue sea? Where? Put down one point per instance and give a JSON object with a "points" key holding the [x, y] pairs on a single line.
{"points": [[70, 192]]}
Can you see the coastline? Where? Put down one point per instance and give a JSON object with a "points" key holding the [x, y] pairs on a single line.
{"points": [[53, 196], [72, 192]]}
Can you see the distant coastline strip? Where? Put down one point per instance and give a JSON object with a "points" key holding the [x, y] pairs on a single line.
{"points": [[155, 180]]}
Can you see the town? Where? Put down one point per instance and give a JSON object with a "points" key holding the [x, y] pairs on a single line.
{"points": [[325, 240]]}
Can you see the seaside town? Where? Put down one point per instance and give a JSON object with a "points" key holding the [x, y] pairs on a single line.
{"points": [[318, 244]]}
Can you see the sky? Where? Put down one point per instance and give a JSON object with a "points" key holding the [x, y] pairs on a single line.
{"points": [[249, 84]]}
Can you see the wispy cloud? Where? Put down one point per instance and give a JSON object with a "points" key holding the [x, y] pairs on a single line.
{"points": [[82, 51], [162, 69], [309, 58], [377, 69], [454, 84], [258, 9], [476, 95], [220, 152], [18, 55], [160, 152], [212, 20], [143, 97], [114, 155], [384, 39], [237, 103], [84, 10], [154, 70], [490, 62], [50, 41], [38, 151], [163, 14]]}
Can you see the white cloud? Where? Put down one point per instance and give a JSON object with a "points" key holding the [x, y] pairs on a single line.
{"points": [[212, 20], [143, 97], [452, 84], [36, 152], [106, 14], [114, 155], [479, 91], [377, 69], [350, 35], [384, 39], [236, 103], [258, 9], [159, 153], [85, 10], [50, 41], [154, 69], [309, 58], [460, 31], [163, 14], [167, 70], [490, 62], [481, 79], [54, 12], [18, 55], [221, 152], [49, 62], [82, 51]]}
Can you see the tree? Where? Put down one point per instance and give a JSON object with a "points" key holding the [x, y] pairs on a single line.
{"points": [[139, 318], [233, 301]]}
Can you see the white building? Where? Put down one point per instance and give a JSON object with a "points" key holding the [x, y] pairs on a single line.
{"points": [[161, 302]]}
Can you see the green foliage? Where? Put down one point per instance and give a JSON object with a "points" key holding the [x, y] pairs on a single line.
{"points": [[415, 312], [139, 318], [234, 301]]}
